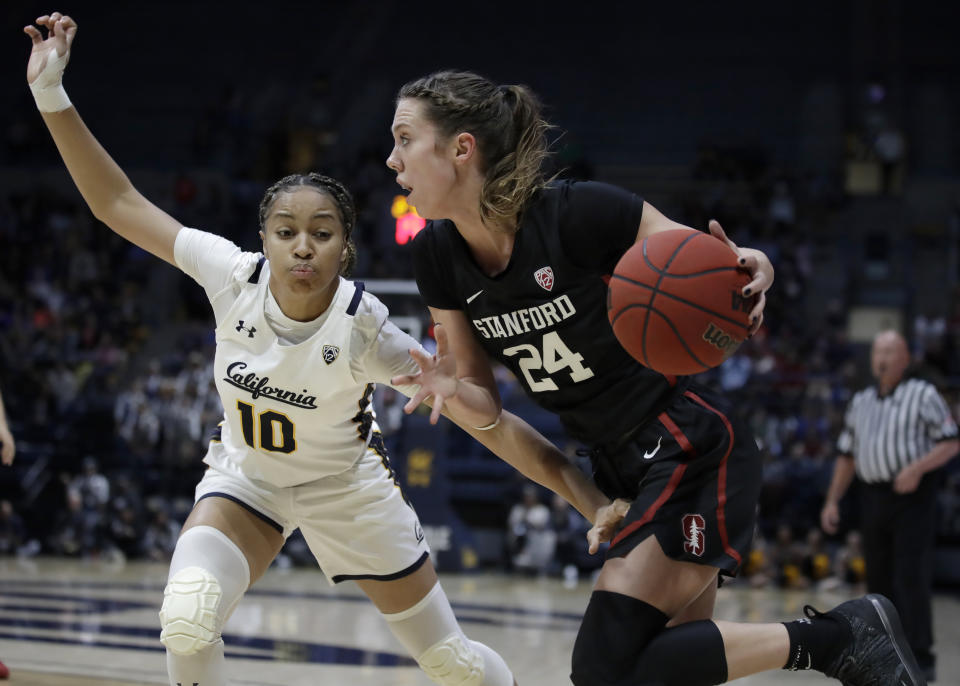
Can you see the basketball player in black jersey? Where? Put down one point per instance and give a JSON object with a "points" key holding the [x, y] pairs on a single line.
{"points": [[512, 269]]}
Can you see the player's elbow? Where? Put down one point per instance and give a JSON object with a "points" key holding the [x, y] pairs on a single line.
{"points": [[108, 210]]}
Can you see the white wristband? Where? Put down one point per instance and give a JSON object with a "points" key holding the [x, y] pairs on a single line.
{"points": [[51, 99], [488, 426]]}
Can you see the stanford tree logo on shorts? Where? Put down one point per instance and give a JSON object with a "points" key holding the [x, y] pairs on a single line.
{"points": [[693, 528], [544, 277]]}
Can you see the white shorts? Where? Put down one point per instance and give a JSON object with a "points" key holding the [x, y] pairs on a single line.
{"points": [[358, 524]]}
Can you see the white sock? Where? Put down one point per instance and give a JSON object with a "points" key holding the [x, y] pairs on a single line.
{"points": [[206, 668]]}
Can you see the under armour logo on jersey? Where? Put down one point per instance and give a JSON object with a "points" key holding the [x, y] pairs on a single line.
{"points": [[250, 331], [418, 532], [330, 353], [544, 277], [693, 528]]}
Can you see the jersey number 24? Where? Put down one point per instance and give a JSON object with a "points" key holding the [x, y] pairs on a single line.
{"points": [[555, 358]]}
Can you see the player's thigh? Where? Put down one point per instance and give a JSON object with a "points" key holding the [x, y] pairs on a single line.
{"points": [[258, 540], [700, 608], [648, 574], [400, 594]]}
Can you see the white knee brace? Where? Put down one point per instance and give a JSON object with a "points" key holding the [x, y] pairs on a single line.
{"points": [[453, 662], [208, 576], [430, 633]]}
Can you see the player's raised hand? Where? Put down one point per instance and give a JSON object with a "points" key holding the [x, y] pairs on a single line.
{"points": [[437, 378], [607, 523], [49, 55], [757, 264]]}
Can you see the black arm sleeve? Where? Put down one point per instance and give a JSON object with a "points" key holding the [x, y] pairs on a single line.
{"points": [[431, 268], [599, 222]]}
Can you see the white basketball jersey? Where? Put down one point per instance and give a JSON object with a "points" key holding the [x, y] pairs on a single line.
{"points": [[292, 413]]}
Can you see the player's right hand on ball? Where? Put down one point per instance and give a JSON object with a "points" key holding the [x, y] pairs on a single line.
{"points": [[60, 31], [607, 523]]}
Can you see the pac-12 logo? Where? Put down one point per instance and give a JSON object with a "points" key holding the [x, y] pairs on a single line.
{"points": [[544, 277], [693, 528], [330, 353]]}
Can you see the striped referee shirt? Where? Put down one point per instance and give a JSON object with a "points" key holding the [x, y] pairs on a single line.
{"points": [[886, 433]]}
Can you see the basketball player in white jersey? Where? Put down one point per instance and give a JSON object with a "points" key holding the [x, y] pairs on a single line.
{"points": [[299, 348]]}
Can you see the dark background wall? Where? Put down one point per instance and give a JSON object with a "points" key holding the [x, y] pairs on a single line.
{"points": [[632, 82]]}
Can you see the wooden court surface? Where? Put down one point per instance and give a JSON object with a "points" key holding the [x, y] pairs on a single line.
{"points": [[73, 623]]}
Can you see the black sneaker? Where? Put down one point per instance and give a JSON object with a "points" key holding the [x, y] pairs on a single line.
{"points": [[879, 654]]}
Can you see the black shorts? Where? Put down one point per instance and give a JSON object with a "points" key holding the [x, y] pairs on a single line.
{"points": [[694, 476]]}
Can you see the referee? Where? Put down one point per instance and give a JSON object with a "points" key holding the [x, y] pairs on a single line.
{"points": [[896, 435]]}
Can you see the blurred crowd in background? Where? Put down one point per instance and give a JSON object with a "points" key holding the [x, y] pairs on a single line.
{"points": [[111, 396], [106, 353]]}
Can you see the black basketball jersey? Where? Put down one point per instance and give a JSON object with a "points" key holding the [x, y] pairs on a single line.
{"points": [[544, 317]]}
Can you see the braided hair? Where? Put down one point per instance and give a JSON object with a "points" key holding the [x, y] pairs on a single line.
{"points": [[325, 184], [511, 135]]}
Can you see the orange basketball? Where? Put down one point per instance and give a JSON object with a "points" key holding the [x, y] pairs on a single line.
{"points": [[675, 302]]}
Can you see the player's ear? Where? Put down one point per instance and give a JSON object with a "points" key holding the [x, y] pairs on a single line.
{"points": [[465, 147], [263, 240]]}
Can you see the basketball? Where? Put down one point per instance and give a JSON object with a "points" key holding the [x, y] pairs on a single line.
{"points": [[675, 302]]}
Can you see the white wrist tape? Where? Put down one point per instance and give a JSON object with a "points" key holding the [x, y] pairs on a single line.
{"points": [[47, 88], [52, 99]]}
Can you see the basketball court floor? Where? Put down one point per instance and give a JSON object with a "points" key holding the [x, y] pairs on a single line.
{"points": [[74, 623]]}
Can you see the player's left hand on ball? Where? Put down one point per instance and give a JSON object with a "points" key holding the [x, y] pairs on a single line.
{"points": [[437, 378], [755, 263], [606, 523]]}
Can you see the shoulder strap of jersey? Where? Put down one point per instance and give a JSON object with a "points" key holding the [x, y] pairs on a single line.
{"points": [[255, 277], [357, 295]]}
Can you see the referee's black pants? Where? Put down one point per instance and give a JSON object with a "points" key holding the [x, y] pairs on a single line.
{"points": [[899, 533]]}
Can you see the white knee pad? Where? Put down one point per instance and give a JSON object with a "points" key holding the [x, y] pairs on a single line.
{"points": [[453, 662], [430, 633], [208, 576]]}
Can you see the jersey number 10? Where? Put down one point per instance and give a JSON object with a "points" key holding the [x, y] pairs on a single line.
{"points": [[273, 425]]}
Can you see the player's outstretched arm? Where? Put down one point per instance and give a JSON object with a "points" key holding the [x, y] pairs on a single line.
{"points": [[458, 379], [106, 189], [458, 382], [530, 453]]}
